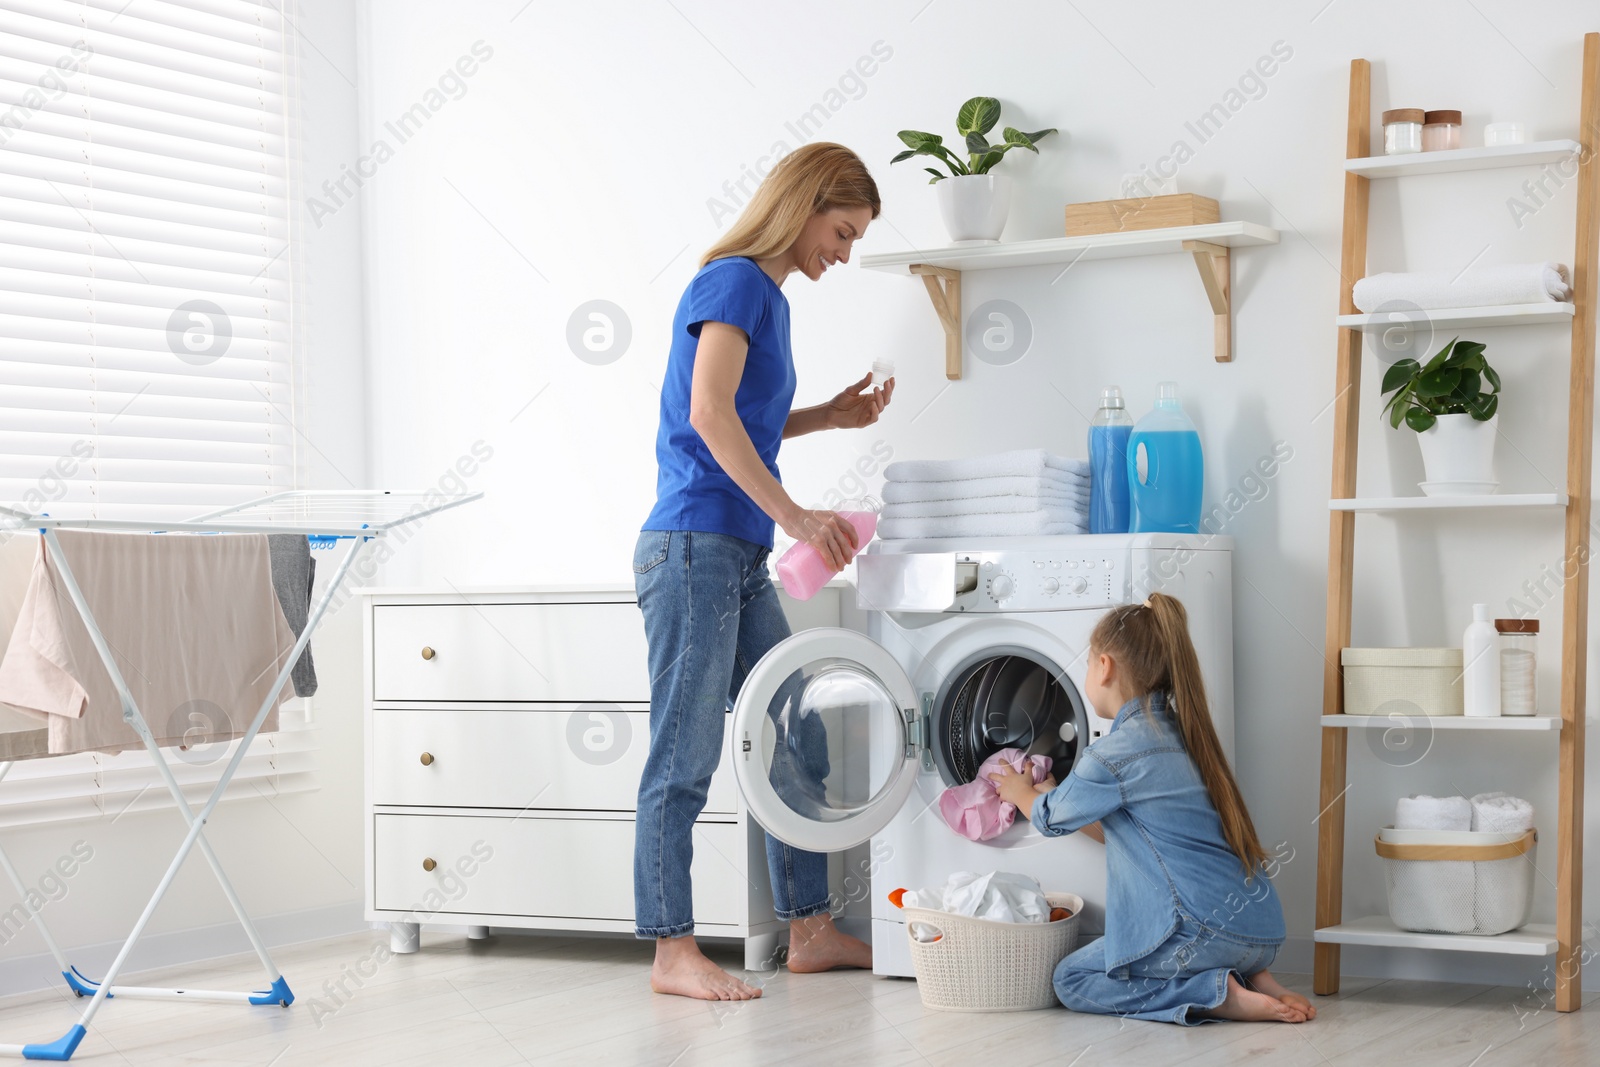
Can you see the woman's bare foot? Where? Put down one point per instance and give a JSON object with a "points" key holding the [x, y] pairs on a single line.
{"points": [[1247, 1005], [1263, 982], [683, 970], [815, 944]]}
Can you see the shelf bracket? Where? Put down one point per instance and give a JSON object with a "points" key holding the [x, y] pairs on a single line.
{"points": [[944, 289], [1215, 272]]}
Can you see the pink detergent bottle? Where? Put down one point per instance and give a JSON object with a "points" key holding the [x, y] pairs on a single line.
{"points": [[803, 571]]}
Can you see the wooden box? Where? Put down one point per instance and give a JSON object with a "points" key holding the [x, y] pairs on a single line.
{"points": [[1140, 213]]}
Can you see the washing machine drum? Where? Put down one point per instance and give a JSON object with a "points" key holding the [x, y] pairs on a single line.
{"points": [[1008, 701]]}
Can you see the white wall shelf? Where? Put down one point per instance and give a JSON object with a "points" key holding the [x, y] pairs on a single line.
{"points": [[1210, 244], [1455, 159], [1065, 251], [1535, 939], [1549, 312], [1431, 503], [1503, 723]]}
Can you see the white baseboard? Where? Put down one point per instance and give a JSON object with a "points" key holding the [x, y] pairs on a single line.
{"points": [[1527, 975], [27, 974]]}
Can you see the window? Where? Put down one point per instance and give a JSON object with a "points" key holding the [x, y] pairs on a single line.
{"points": [[145, 275], [146, 310]]}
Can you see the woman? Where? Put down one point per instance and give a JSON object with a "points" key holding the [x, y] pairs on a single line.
{"points": [[710, 611]]}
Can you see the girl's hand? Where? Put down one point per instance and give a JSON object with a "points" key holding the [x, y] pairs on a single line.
{"points": [[853, 408], [828, 532], [1047, 786], [1015, 788]]}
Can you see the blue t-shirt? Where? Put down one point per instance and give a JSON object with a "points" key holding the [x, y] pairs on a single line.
{"points": [[692, 490]]}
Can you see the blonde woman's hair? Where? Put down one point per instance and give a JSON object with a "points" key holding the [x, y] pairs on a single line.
{"points": [[812, 179], [1150, 644]]}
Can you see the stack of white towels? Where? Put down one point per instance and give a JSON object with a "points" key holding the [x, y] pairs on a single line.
{"points": [[1009, 494], [1488, 813]]}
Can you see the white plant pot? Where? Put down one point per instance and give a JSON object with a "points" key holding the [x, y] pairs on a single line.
{"points": [[1458, 456], [974, 206]]}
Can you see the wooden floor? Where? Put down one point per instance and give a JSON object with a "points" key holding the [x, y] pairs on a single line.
{"points": [[514, 1000]]}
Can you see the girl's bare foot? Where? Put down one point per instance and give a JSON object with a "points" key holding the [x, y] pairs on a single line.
{"points": [[815, 944], [683, 970], [1263, 982], [1247, 1005]]}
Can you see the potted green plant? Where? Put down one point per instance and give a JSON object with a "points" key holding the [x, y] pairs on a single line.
{"points": [[1451, 402], [972, 198]]}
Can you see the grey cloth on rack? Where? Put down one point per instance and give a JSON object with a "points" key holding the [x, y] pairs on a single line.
{"points": [[293, 572]]}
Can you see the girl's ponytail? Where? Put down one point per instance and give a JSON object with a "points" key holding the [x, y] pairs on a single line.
{"points": [[1150, 641]]}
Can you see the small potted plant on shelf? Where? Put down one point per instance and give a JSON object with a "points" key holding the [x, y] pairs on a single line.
{"points": [[972, 198], [1450, 402]]}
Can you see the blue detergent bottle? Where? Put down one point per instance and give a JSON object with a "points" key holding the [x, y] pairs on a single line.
{"points": [[1167, 498], [1108, 464]]}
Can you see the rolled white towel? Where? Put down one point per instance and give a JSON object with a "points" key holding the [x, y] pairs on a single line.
{"points": [[1500, 813], [1508, 283], [1049, 485], [1014, 524], [1433, 813], [1025, 463], [1063, 509]]}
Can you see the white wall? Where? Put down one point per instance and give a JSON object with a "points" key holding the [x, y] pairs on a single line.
{"points": [[580, 160], [295, 860]]}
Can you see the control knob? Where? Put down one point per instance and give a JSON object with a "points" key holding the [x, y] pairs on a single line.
{"points": [[1077, 585], [1051, 586], [1002, 585]]}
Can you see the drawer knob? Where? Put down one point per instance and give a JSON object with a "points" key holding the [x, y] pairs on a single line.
{"points": [[427, 653], [427, 759], [428, 864]]}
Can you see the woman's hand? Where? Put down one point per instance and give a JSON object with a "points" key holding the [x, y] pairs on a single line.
{"points": [[854, 408], [1018, 789], [828, 532]]}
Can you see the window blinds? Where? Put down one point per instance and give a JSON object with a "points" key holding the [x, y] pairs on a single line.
{"points": [[145, 274]]}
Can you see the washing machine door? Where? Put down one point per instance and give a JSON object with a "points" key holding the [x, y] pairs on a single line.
{"points": [[825, 736]]}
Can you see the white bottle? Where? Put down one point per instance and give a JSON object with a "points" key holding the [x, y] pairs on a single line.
{"points": [[1480, 665]]}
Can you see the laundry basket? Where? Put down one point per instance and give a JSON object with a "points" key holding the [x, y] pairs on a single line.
{"points": [[983, 965], [1445, 883]]}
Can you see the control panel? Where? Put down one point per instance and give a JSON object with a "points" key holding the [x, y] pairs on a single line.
{"points": [[1040, 581]]}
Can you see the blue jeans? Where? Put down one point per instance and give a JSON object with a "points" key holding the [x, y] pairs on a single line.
{"points": [[710, 612], [1187, 973]]}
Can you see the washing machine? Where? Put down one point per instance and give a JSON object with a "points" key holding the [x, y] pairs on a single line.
{"points": [[848, 737]]}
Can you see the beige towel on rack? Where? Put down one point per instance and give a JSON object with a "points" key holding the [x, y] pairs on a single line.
{"points": [[192, 621]]}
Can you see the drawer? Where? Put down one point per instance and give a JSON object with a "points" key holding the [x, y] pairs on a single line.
{"points": [[585, 757], [558, 652], [570, 868]]}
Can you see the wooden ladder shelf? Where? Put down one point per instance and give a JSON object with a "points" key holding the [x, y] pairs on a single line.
{"points": [[1332, 931]]}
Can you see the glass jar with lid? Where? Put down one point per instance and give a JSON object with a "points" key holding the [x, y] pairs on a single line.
{"points": [[1519, 661], [1441, 130], [1402, 131]]}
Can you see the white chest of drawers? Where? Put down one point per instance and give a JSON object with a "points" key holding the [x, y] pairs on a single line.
{"points": [[505, 733]]}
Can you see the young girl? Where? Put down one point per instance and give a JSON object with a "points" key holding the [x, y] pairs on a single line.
{"points": [[1192, 921]]}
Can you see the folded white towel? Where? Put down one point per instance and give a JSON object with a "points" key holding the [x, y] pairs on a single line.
{"points": [[1059, 507], [1508, 283], [1500, 813], [1033, 462], [1014, 524], [1433, 813], [1045, 486]]}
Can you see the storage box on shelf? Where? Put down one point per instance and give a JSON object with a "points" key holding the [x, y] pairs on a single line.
{"points": [[506, 730]]}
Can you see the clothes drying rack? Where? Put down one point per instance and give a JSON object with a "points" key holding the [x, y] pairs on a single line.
{"points": [[324, 517]]}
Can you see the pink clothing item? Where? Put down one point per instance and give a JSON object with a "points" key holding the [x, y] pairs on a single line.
{"points": [[194, 624], [975, 810]]}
